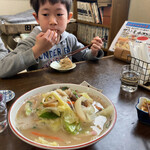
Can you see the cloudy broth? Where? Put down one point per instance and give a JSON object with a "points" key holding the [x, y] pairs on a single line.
{"points": [[33, 128]]}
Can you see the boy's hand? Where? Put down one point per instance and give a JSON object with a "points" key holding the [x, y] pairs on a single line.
{"points": [[96, 45], [44, 42]]}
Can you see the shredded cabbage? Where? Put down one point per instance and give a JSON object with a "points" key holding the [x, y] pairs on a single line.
{"points": [[68, 116], [28, 108]]}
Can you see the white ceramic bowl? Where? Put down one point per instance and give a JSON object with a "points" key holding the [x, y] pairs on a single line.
{"points": [[19, 102]]}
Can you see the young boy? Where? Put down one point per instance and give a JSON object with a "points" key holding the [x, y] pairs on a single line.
{"points": [[49, 41]]}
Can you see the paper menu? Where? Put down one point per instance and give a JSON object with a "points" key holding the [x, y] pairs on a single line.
{"points": [[134, 32]]}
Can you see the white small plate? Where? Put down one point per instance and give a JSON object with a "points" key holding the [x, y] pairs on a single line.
{"points": [[55, 65], [8, 95]]}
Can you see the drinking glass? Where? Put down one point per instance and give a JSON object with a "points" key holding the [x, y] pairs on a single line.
{"points": [[129, 79], [3, 113]]}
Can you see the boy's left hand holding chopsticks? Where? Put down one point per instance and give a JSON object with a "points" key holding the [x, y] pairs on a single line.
{"points": [[96, 45]]}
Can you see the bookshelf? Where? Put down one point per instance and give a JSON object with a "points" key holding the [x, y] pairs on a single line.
{"points": [[118, 14]]}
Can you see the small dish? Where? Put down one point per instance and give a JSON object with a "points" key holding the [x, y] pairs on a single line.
{"points": [[55, 65], [143, 116], [8, 95]]}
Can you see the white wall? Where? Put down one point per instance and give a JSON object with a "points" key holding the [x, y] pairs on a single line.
{"points": [[139, 11], [11, 7]]}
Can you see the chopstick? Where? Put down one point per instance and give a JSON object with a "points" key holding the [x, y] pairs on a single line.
{"points": [[76, 51], [73, 52], [79, 50]]}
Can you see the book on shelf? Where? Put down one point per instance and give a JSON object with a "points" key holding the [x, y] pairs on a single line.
{"points": [[130, 31], [106, 20], [106, 15], [86, 33], [82, 13], [107, 11], [100, 9], [95, 12], [85, 11], [79, 11], [88, 11]]}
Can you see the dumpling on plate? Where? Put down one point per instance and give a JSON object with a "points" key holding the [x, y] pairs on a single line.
{"points": [[65, 63]]}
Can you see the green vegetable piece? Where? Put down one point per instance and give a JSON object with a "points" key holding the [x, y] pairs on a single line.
{"points": [[78, 128], [73, 128], [28, 108], [49, 115], [75, 93], [64, 88], [29, 102]]}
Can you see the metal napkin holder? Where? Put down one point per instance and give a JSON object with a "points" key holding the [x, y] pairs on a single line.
{"points": [[142, 67]]}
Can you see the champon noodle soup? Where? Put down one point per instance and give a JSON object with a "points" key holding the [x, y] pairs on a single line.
{"points": [[64, 116]]}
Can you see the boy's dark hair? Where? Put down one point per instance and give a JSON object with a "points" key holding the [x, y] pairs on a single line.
{"points": [[36, 4]]}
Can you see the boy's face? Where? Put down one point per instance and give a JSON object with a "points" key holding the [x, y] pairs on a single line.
{"points": [[53, 17]]}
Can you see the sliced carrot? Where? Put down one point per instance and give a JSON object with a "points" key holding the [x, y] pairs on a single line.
{"points": [[70, 102], [47, 136], [99, 108]]}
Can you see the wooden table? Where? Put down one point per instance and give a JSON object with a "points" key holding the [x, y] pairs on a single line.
{"points": [[127, 134]]}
